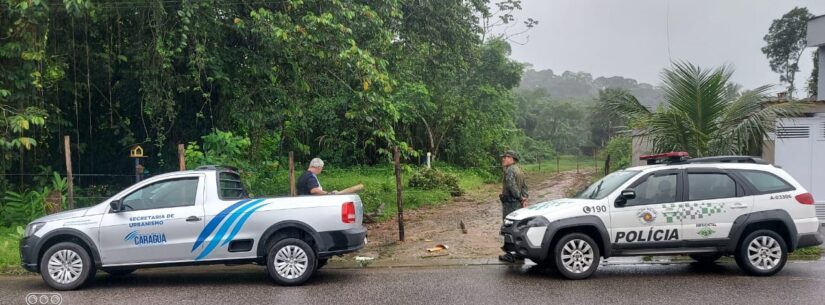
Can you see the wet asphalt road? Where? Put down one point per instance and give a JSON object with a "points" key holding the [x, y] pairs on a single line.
{"points": [[800, 283]]}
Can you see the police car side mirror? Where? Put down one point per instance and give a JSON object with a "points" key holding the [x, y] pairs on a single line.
{"points": [[624, 196], [629, 194], [116, 205]]}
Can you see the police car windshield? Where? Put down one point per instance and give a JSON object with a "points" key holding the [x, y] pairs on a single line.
{"points": [[606, 185]]}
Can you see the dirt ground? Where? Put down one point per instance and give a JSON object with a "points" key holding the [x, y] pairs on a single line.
{"points": [[480, 212]]}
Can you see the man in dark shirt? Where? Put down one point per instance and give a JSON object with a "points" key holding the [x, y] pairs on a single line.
{"points": [[308, 183]]}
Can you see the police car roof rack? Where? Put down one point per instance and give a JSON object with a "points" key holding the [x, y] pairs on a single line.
{"points": [[728, 159], [665, 158]]}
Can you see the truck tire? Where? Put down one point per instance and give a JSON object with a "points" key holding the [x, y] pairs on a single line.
{"points": [[762, 253], [290, 262], [66, 266], [576, 255]]}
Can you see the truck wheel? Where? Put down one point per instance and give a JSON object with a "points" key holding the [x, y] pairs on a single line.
{"points": [[706, 258], [66, 266], [290, 262], [576, 256], [762, 253]]}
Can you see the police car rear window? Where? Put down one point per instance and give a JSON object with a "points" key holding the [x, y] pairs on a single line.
{"points": [[230, 186], [765, 182]]}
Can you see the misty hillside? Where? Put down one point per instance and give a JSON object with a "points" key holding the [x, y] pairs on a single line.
{"points": [[582, 86]]}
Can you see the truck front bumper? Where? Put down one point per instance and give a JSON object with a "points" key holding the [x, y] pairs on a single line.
{"points": [[28, 257]]}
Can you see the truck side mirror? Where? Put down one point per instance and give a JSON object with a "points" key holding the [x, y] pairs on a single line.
{"points": [[116, 205]]}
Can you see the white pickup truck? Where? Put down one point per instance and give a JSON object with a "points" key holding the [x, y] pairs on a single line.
{"points": [[203, 216]]}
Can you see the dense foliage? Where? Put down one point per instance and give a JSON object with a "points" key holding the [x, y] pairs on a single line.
{"points": [[704, 114], [344, 80]]}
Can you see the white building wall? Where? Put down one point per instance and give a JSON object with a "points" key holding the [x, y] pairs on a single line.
{"points": [[800, 150]]}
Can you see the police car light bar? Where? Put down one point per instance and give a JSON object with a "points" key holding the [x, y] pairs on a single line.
{"points": [[673, 156]]}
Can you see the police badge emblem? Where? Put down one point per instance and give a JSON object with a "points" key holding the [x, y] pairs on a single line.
{"points": [[646, 216]]}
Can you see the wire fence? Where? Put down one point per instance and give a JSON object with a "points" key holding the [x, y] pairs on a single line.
{"points": [[379, 196]]}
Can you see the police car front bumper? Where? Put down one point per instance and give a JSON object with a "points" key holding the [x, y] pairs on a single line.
{"points": [[522, 241]]}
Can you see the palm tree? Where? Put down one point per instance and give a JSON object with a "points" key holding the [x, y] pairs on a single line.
{"points": [[704, 113]]}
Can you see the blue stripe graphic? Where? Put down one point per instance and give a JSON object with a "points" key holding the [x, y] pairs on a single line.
{"points": [[241, 222], [214, 223], [131, 235], [225, 227]]}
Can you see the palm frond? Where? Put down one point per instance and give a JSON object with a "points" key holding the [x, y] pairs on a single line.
{"points": [[625, 105]]}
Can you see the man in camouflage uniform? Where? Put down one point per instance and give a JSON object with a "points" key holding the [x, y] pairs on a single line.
{"points": [[514, 190]]}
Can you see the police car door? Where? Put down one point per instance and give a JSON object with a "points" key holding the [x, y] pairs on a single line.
{"points": [[159, 223], [643, 222], [714, 200]]}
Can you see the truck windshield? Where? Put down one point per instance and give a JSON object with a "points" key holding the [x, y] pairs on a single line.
{"points": [[606, 185]]}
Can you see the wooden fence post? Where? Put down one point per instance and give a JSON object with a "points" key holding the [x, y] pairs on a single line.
{"points": [[577, 163], [67, 151], [607, 165], [539, 159], [181, 157], [595, 159], [557, 164], [292, 191], [399, 200]]}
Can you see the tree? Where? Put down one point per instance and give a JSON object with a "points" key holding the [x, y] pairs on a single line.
{"points": [[603, 122], [785, 43], [703, 114]]}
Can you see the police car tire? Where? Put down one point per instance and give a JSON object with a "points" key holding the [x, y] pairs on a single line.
{"points": [[309, 269], [558, 258], [87, 270], [706, 258], [747, 266]]}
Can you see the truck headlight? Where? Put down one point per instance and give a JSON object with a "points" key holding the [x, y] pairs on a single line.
{"points": [[32, 228], [538, 221]]}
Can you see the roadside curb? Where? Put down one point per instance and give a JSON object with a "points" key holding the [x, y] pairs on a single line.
{"points": [[424, 262]]}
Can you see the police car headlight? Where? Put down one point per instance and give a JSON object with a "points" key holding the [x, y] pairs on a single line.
{"points": [[508, 222], [538, 221], [32, 228]]}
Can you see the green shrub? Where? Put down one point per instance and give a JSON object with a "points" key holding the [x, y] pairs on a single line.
{"points": [[431, 179], [620, 150]]}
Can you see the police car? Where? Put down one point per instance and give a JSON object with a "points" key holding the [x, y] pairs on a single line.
{"points": [[703, 207], [193, 218]]}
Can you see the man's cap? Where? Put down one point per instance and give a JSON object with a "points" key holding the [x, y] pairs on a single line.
{"points": [[510, 153]]}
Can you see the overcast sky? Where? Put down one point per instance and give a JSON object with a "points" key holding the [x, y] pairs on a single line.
{"points": [[630, 37]]}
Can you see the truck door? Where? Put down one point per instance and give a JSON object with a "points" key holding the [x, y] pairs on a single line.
{"points": [[159, 223]]}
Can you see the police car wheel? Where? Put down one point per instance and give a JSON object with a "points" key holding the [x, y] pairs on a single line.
{"points": [[576, 256], [66, 266], [290, 262], [762, 253], [706, 258]]}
